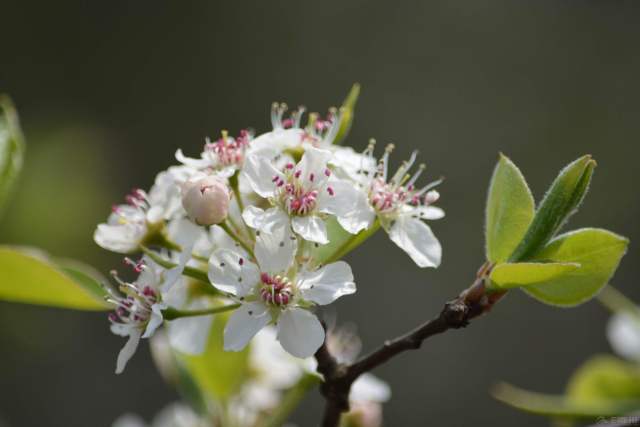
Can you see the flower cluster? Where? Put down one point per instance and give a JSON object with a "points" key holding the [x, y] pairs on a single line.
{"points": [[247, 226]]}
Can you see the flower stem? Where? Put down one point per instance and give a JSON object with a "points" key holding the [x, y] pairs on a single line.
{"points": [[615, 301], [353, 242], [233, 182], [237, 238], [172, 313], [192, 272], [235, 186]]}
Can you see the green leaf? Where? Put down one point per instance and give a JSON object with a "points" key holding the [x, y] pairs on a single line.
{"points": [[11, 148], [85, 276], [33, 279], [510, 210], [597, 251], [560, 406], [605, 377], [561, 201], [217, 373], [512, 275], [347, 111]]}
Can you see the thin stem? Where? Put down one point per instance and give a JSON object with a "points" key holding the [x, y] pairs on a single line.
{"points": [[192, 272], [233, 182], [172, 313], [615, 301], [353, 242], [237, 238], [235, 186], [457, 313]]}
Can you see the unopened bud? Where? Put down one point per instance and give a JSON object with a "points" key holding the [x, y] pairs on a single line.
{"points": [[206, 200]]}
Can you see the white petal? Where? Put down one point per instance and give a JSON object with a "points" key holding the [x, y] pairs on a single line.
{"points": [[311, 228], [267, 221], [178, 294], [121, 329], [368, 388], [313, 166], [275, 252], [300, 332], [122, 239], [243, 324], [355, 166], [220, 239], [232, 273], [417, 240], [429, 212], [349, 204], [276, 368], [328, 283], [623, 331], [155, 321], [184, 232], [194, 163], [189, 334], [128, 350], [259, 172], [216, 238], [276, 141]]}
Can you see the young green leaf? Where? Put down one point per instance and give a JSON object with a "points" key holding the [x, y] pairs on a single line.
{"points": [[605, 377], [510, 209], [11, 148], [217, 373], [560, 406], [512, 275], [32, 279], [347, 111], [561, 201], [597, 251]]}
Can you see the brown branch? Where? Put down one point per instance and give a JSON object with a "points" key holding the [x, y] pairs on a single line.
{"points": [[455, 314]]}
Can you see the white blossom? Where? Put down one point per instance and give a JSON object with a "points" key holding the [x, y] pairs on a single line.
{"points": [[144, 214], [401, 207], [223, 156], [277, 290], [138, 311], [302, 195]]}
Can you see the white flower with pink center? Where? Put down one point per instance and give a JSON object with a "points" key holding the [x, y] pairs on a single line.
{"points": [[144, 214], [224, 156], [289, 134], [401, 206], [139, 306], [277, 290], [302, 196], [128, 225]]}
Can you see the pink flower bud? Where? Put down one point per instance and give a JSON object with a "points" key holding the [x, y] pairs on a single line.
{"points": [[206, 200]]}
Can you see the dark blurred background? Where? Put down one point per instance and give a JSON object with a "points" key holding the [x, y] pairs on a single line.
{"points": [[108, 90]]}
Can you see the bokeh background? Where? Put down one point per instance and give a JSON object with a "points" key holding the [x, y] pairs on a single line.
{"points": [[108, 90]]}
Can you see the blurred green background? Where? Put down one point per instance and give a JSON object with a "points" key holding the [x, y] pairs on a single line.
{"points": [[108, 90]]}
